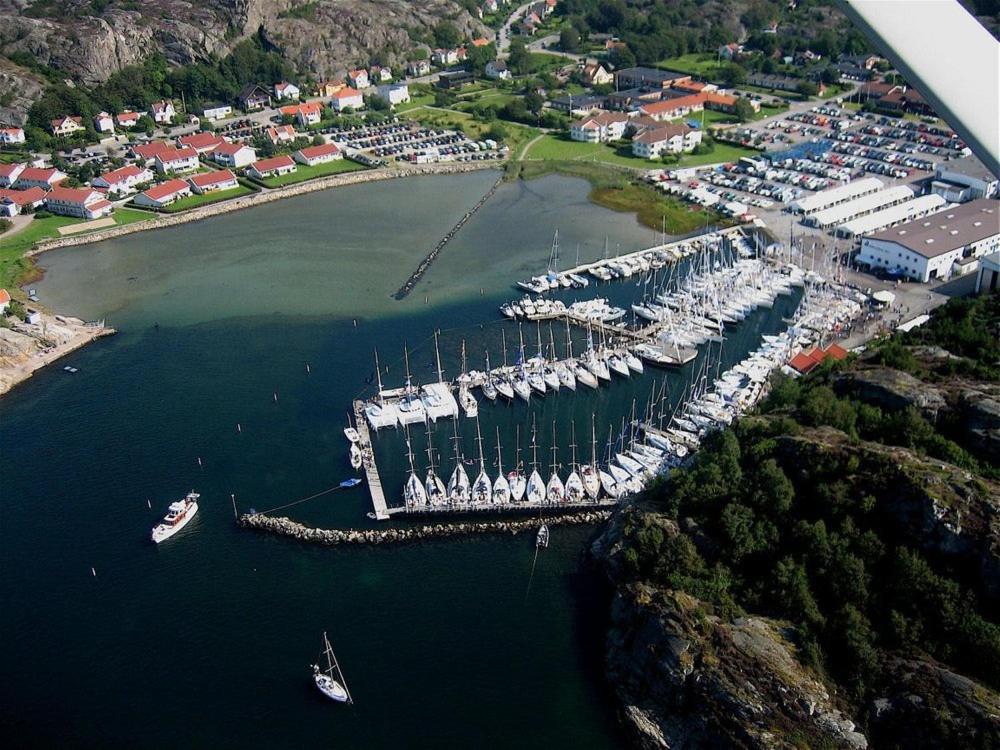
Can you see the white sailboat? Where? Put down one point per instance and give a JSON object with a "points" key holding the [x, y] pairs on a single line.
{"points": [[488, 388], [566, 375], [414, 494], [535, 492], [633, 362], [618, 365], [329, 679], [469, 404], [548, 373], [588, 472], [555, 490], [501, 487], [574, 484], [411, 408], [436, 493], [503, 384], [357, 459], [482, 488], [458, 485], [515, 478]]}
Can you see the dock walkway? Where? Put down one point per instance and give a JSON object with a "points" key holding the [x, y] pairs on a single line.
{"points": [[371, 469]]}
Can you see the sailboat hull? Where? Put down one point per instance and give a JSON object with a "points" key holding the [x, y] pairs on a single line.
{"points": [[331, 688]]}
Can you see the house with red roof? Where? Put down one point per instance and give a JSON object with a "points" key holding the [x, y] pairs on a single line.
{"points": [[273, 167], [359, 78], [13, 202], [162, 195], [163, 111], [176, 160], [64, 126], [309, 113], [9, 173], [127, 119], [280, 134], [235, 155], [124, 180], [83, 203], [314, 155], [480, 42], [347, 98], [203, 142], [148, 152], [45, 178], [284, 91], [207, 182], [10, 136], [671, 109]]}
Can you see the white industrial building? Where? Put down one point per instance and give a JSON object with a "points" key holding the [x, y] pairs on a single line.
{"points": [[888, 217], [929, 248], [859, 207], [964, 179], [834, 196]]}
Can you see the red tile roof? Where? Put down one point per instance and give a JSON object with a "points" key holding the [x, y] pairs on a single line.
{"points": [[35, 174], [207, 179], [166, 189], [266, 165], [201, 140], [4, 296], [322, 150], [346, 93], [802, 362], [230, 149], [177, 154], [23, 197], [121, 174], [836, 351], [149, 150], [669, 105], [6, 170], [71, 195]]}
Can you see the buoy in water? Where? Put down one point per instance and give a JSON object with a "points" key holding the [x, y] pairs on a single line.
{"points": [[149, 504], [308, 371]]}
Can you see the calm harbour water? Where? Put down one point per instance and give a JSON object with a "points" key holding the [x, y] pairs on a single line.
{"points": [[206, 640]]}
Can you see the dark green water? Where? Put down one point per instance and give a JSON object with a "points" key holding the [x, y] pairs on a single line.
{"points": [[206, 640]]}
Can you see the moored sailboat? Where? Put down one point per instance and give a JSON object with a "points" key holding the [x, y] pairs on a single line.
{"points": [[329, 678]]}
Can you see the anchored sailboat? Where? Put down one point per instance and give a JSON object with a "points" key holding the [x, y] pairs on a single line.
{"points": [[555, 491], [414, 494], [329, 679], [574, 484], [458, 485], [436, 494], [482, 488]]}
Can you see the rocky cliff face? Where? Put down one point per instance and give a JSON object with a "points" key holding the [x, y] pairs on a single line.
{"points": [[320, 37]]}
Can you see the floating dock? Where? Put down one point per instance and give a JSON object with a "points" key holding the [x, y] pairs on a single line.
{"points": [[371, 469]]}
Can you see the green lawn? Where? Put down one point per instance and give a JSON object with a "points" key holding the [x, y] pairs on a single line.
{"points": [[415, 103], [561, 148], [517, 134], [702, 64], [194, 200], [14, 267], [304, 173]]}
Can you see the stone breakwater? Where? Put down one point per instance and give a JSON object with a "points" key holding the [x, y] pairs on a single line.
{"points": [[161, 221], [281, 526]]}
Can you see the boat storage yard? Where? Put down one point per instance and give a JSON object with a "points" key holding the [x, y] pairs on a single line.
{"points": [[692, 291]]}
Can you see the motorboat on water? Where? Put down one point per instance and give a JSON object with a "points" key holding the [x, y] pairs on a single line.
{"points": [[179, 514], [542, 538], [357, 458], [352, 434]]}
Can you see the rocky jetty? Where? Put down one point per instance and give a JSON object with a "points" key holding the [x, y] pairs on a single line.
{"points": [[286, 527]]}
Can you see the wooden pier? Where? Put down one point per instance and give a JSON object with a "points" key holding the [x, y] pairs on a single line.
{"points": [[371, 469]]}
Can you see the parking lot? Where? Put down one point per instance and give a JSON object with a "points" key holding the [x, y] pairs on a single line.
{"points": [[409, 141]]}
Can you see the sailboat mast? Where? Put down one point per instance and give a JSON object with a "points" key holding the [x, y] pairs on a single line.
{"points": [[378, 376], [437, 357], [499, 455]]}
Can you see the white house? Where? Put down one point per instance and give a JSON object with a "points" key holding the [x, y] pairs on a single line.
{"points": [[124, 180], [273, 167], [176, 160], [379, 74], [497, 70], [13, 202], [306, 114], [208, 182], [162, 111], [11, 135], [104, 123], [284, 91], [63, 126], [418, 68], [595, 74], [217, 112], [930, 247], [490, 6], [163, 194], [235, 155], [321, 154], [600, 128], [127, 119], [445, 57], [44, 177], [9, 173], [347, 98], [281, 134], [84, 203], [395, 93], [359, 79], [652, 142], [147, 152]]}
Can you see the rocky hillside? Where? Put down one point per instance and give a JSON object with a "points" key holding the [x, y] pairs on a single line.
{"points": [[88, 40]]}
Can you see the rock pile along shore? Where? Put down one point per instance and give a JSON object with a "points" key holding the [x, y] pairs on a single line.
{"points": [[282, 526]]}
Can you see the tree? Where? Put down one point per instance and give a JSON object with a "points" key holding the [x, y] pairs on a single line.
{"points": [[569, 39], [447, 35], [519, 60], [807, 89], [743, 109], [478, 57], [734, 74], [534, 102]]}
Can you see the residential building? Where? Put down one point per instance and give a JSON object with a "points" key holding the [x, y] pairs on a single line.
{"points": [[379, 74], [444, 57], [217, 112], [595, 74], [281, 134], [731, 51], [122, 181], [480, 41], [235, 155], [253, 97], [309, 113], [162, 195], [580, 105], [44, 177], [9, 173], [208, 182], [600, 128], [633, 78], [653, 142], [454, 79], [313, 155], [497, 70], [418, 67], [11, 136], [935, 246], [284, 91], [147, 152], [671, 109], [83, 203], [127, 119], [64, 126], [13, 202], [868, 62], [395, 93], [489, 6], [725, 102], [693, 87], [774, 82], [104, 123], [359, 78], [964, 179], [162, 112], [273, 167], [203, 142], [347, 98], [176, 160]]}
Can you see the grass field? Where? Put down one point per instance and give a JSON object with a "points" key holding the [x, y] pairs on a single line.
{"points": [[561, 148], [304, 173], [194, 200], [15, 268], [702, 64], [415, 103], [517, 135]]}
